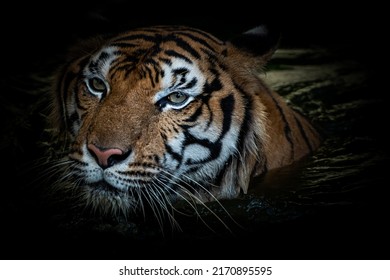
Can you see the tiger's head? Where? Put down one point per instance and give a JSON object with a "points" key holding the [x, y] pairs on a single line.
{"points": [[168, 113]]}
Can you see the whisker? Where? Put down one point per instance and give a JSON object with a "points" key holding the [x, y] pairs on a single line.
{"points": [[200, 201], [154, 207], [192, 203], [207, 191], [162, 191], [139, 202], [68, 176], [165, 203]]}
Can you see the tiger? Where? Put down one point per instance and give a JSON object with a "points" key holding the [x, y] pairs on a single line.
{"points": [[152, 116]]}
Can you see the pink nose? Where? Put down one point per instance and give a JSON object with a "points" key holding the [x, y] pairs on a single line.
{"points": [[104, 156]]}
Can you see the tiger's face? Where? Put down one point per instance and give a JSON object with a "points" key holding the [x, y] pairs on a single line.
{"points": [[159, 114]]}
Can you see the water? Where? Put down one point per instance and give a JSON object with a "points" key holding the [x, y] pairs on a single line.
{"points": [[332, 203]]}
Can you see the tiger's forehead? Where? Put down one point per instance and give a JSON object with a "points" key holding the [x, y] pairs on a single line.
{"points": [[182, 76], [169, 58], [172, 72], [155, 46], [190, 39]]}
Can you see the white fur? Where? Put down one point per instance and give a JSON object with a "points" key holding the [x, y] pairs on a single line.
{"points": [[171, 83], [104, 65], [195, 152]]}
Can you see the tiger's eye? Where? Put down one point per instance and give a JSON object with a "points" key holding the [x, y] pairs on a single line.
{"points": [[177, 97], [97, 85]]}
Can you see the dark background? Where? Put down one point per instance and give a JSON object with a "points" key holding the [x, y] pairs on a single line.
{"points": [[32, 30], [36, 34]]}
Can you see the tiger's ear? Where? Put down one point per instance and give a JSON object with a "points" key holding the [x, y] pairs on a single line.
{"points": [[260, 42]]}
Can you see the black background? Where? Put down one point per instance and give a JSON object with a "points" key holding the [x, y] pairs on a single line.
{"points": [[33, 33], [32, 30]]}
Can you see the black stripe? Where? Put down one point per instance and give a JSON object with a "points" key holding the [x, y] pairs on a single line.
{"points": [[214, 148], [67, 77], [144, 37], [218, 179], [78, 104], [123, 45], [227, 106], [175, 156], [194, 117], [115, 63], [287, 129], [137, 55], [124, 59], [103, 56], [128, 68], [261, 164], [190, 84], [164, 136], [205, 34], [63, 87], [149, 73], [248, 101], [150, 61], [128, 63], [183, 45], [175, 54], [197, 39], [118, 53], [214, 85], [93, 66], [213, 59], [63, 91], [146, 173], [179, 71], [157, 71], [166, 61]]}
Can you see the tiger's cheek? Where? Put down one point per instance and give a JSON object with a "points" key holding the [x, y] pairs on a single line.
{"points": [[204, 137]]}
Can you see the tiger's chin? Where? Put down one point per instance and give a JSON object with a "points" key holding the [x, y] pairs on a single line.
{"points": [[105, 199], [133, 200]]}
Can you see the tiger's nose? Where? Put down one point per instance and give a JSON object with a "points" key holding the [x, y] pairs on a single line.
{"points": [[106, 157]]}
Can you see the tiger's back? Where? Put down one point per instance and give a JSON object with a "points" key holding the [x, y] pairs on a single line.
{"points": [[170, 113]]}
